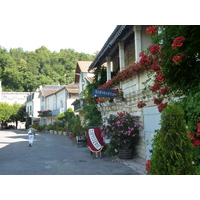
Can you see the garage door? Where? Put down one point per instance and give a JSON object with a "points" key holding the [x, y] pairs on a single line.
{"points": [[151, 123]]}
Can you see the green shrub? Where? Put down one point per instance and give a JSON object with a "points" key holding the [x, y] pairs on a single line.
{"points": [[172, 148], [41, 127], [35, 126], [75, 126], [50, 127]]}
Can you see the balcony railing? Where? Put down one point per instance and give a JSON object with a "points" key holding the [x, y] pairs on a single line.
{"points": [[79, 105], [45, 113], [28, 114], [57, 111], [48, 113]]}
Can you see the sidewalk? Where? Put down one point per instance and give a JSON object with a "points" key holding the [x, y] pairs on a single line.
{"points": [[137, 164]]}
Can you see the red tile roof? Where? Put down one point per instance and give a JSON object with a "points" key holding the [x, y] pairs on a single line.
{"points": [[72, 88], [89, 79]]}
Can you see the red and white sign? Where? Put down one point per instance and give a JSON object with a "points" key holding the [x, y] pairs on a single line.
{"points": [[95, 141]]}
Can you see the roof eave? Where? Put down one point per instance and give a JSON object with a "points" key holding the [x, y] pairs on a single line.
{"points": [[111, 40]]}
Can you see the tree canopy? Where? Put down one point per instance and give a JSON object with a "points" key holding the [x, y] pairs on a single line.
{"points": [[24, 71]]}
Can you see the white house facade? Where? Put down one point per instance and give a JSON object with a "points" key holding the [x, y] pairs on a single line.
{"points": [[55, 101], [32, 106], [82, 78], [122, 49]]}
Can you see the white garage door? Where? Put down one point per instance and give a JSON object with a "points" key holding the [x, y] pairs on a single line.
{"points": [[151, 123]]}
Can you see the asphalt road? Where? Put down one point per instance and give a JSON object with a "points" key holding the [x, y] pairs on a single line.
{"points": [[52, 155]]}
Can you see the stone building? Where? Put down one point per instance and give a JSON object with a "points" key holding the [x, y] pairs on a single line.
{"points": [[122, 49]]}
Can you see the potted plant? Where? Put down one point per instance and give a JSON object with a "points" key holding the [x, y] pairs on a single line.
{"points": [[123, 131], [41, 128], [60, 130], [50, 128], [64, 130]]}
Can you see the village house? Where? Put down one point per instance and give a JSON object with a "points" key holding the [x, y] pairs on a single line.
{"points": [[11, 98], [122, 49], [32, 106], [55, 99], [82, 78]]}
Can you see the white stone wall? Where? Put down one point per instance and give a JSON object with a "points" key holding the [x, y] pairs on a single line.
{"points": [[132, 95], [60, 97], [14, 97]]}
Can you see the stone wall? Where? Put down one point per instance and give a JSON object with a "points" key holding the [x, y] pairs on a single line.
{"points": [[132, 95]]}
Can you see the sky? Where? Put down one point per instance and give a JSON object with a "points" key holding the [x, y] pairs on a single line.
{"points": [[55, 24], [82, 25]]}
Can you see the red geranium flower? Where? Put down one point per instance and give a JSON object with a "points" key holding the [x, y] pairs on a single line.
{"points": [[148, 166], [154, 49], [151, 30], [161, 106], [177, 42], [178, 58], [164, 90], [141, 104], [154, 67], [158, 101], [155, 87], [159, 78]]}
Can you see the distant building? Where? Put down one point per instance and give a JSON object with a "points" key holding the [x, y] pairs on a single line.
{"points": [[55, 99], [14, 97], [82, 78]]}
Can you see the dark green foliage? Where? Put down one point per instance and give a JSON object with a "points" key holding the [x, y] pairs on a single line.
{"points": [[184, 77], [92, 116], [73, 122], [172, 149], [23, 71], [191, 106], [76, 126]]}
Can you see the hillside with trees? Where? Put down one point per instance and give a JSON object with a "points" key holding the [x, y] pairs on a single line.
{"points": [[24, 71]]}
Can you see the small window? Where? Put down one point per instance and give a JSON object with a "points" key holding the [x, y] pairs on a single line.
{"points": [[61, 104]]}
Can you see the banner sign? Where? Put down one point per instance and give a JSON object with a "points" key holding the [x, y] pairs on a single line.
{"points": [[95, 141], [103, 93]]}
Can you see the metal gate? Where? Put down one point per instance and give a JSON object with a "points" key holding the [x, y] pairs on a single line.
{"points": [[151, 123]]}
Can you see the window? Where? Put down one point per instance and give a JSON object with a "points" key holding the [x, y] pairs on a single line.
{"points": [[82, 77], [61, 104]]}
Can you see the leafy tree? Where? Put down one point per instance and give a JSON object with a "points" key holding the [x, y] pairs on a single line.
{"points": [[17, 113], [6, 111], [20, 113], [25, 71], [12, 78], [172, 148], [33, 66], [5, 61]]}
